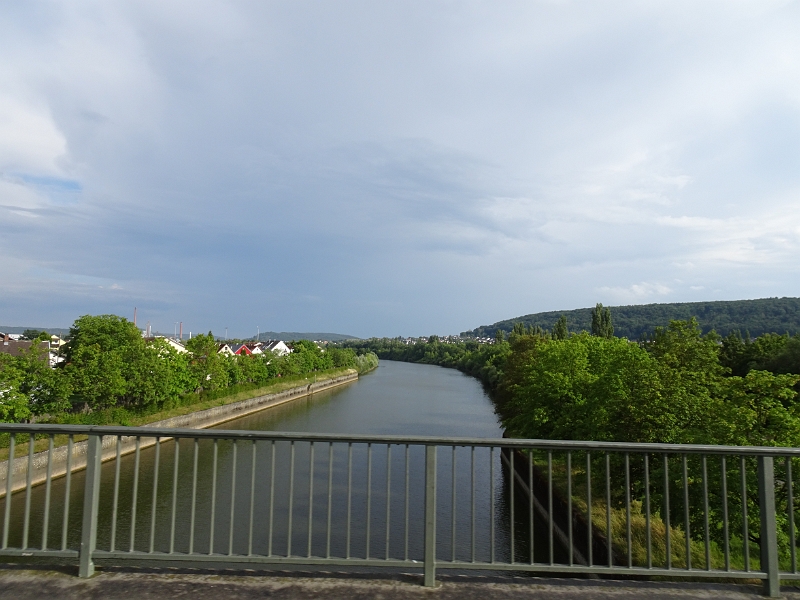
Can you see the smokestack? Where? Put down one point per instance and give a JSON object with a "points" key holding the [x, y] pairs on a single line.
{"points": [[181, 331], [134, 315]]}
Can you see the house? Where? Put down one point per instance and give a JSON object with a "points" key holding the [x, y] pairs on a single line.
{"points": [[56, 342], [277, 347], [224, 349], [175, 344], [241, 350], [8, 345], [254, 347]]}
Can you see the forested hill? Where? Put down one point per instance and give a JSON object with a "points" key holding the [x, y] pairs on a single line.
{"points": [[766, 315], [297, 335]]}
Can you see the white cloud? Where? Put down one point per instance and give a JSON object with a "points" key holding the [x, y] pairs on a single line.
{"points": [[635, 293], [14, 194], [29, 138]]}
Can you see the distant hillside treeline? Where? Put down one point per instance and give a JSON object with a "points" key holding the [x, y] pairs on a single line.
{"points": [[756, 317], [299, 335]]}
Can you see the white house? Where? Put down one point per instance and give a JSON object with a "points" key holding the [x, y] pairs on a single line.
{"points": [[175, 344], [225, 349], [277, 347]]}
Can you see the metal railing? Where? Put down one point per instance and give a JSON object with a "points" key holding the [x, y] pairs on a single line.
{"points": [[211, 497]]}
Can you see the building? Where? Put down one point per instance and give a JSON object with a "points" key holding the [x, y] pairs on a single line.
{"points": [[8, 345], [240, 350], [277, 347], [176, 345]]}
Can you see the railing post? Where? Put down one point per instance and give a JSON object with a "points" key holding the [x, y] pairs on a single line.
{"points": [[430, 516], [91, 497], [769, 536]]}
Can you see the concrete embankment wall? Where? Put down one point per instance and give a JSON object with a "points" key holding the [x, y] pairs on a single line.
{"points": [[197, 420]]}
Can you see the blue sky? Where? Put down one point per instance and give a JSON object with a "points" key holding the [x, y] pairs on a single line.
{"points": [[393, 168]]}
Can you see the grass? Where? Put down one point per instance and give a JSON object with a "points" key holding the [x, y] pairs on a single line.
{"points": [[638, 525], [188, 404]]}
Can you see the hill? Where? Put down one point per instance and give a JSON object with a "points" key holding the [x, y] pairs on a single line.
{"points": [[51, 330], [766, 315], [295, 335]]}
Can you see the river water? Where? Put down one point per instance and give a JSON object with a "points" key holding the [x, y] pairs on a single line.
{"points": [[305, 499]]}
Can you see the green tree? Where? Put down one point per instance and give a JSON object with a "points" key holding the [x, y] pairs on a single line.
{"points": [[14, 405], [108, 332], [560, 330], [157, 375], [206, 365], [101, 360], [759, 410], [602, 325], [47, 389], [35, 334], [96, 377], [589, 387], [787, 360]]}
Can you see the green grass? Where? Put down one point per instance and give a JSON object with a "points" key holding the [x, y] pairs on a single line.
{"points": [[638, 523]]}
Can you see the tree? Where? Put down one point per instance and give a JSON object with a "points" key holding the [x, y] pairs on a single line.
{"points": [[601, 321], [787, 360], [306, 357], [108, 332], [48, 390], [35, 334], [102, 360], [560, 330], [760, 411], [156, 376], [14, 405], [205, 364]]}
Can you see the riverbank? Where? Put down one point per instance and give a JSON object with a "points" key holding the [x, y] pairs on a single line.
{"points": [[65, 456]]}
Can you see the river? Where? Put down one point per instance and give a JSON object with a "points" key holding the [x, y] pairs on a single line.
{"points": [[396, 398]]}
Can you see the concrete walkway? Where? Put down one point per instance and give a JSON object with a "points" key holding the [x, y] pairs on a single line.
{"points": [[24, 584]]}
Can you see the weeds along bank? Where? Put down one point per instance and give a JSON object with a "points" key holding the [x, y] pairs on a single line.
{"points": [[113, 375]]}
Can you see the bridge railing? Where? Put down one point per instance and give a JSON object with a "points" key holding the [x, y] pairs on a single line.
{"points": [[145, 496]]}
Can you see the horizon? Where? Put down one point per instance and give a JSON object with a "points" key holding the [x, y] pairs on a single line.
{"points": [[322, 334]]}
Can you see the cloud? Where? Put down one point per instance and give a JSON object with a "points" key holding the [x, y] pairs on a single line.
{"points": [[635, 293], [400, 168]]}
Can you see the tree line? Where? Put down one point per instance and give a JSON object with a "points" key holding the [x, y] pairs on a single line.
{"points": [[756, 317], [109, 364], [595, 386]]}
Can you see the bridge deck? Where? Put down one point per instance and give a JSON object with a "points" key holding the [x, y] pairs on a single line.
{"points": [[24, 584]]}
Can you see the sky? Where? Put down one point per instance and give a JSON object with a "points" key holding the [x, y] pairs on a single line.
{"points": [[393, 168]]}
